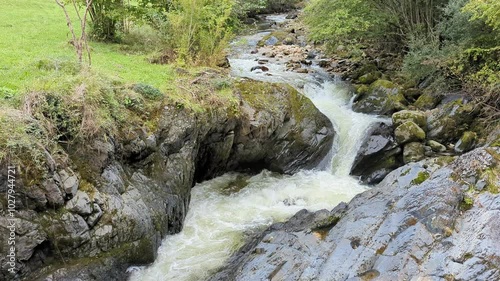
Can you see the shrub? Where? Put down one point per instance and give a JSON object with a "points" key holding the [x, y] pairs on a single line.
{"points": [[339, 21], [147, 91], [200, 30]]}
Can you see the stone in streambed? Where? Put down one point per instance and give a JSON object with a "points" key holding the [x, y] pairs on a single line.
{"points": [[378, 154], [449, 121], [417, 117], [383, 97], [409, 132], [413, 152], [436, 146], [466, 142]]}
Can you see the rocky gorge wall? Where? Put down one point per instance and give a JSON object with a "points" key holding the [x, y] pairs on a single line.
{"points": [[435, 219], [107, 203]]}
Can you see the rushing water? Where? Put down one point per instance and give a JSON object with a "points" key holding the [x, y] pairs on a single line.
{"points": [[223, 209]]}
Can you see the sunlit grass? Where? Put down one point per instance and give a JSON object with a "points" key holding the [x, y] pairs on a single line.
{"points": [[32, 30]]}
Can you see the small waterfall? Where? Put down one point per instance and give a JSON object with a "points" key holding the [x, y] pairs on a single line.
{"points": [[223, 209]]}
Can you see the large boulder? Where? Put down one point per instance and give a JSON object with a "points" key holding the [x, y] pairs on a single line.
{"points": [[409, 132], [378, 154], [448, 122], [413, 152], [466, 142], [417, 117], [383, 97], [278, 129], [421, 222]]}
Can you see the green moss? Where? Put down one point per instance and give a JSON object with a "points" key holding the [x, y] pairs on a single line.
{"points": [[496, 143], [467, 203], [409, 132], [421, 177], [361, 89], [466, 142], [444, 160], [383, 84], [369, 78], [261, 95], [426, 101], [492, 177], [417, 117]]}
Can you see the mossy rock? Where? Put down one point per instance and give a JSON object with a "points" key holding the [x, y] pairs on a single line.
{"points": [[274, 38], [409, 132], [427, 101], [421, 177], [369, 78], [466, 142], [383, 97], [448, 123], [361, 89], [436, 146], [364, 69], [417, 117], [412, 94], [413, 152]]}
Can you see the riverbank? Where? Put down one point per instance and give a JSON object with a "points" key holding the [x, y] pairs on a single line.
{"points": [[99, 205], [429, 216]]}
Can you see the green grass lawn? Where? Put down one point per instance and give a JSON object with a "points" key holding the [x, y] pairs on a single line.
{"points": [[34, 30]]}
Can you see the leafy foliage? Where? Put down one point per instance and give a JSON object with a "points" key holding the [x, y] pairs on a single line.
{"points": [[486, 10], [337, 20]]}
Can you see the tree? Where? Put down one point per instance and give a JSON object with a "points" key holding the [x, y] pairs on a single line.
{"points": [[105, 16], [79, 42], [487, 10]]}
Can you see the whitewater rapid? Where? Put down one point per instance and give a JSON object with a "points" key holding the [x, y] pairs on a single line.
{"points": [[224, 209]]}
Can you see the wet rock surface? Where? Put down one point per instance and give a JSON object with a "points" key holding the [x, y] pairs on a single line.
{"points": [[378, 155], [383, 97], [417, 223], [109, 202]]}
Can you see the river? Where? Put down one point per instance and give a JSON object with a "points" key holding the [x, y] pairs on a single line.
{"points": [[223, 210]]}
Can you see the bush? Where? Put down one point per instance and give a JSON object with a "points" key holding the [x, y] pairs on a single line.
{"points": [[486, 10], [199, 30], [147, 91], [338, 21]]}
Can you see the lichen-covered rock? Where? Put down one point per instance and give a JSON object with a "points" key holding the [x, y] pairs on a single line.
{"points": [[447, 122], [80, 204], [410, 226], [383, 97], [466, 142], [369, 78], [427, 101], [69, 182], [436, 146], [378, 155], [417, 117], [408, 132], [413, 152]]}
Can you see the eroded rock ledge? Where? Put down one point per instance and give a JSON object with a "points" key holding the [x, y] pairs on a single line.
{"points": [[108, 203], [434, 219]]}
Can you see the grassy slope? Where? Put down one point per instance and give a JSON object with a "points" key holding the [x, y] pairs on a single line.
{"points": [[31, 30], [44, 99]]}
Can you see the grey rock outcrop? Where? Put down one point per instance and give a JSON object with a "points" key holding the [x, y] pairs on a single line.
{"points": [[421, 222], [111, 200], [378, 155], [382, 97]]}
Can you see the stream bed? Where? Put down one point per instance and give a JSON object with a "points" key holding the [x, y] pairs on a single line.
{"points": [[223, 210]]}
